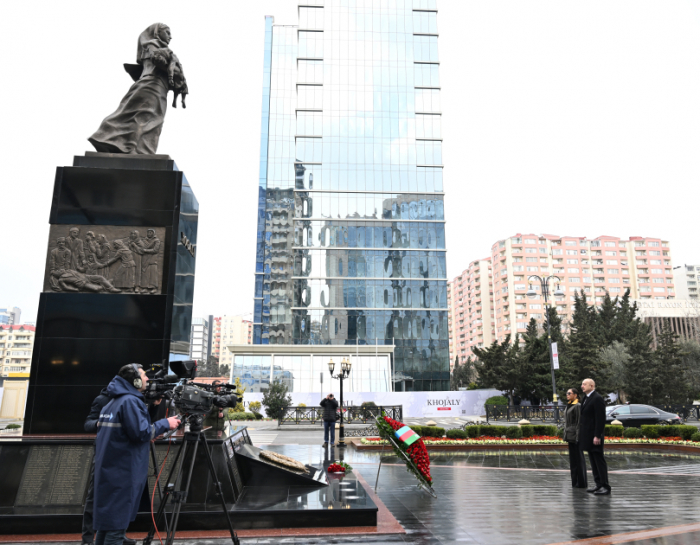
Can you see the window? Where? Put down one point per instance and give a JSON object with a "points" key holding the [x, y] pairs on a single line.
{"points": [[655, 262], [530, 241], [572, 261], [530, 250], [615, 290], [543, 250], [644, 289], [654, 252], [571, 252], [611, 253], [531, 259], [570, 243], [610, 244], [595, 243], [638, 244], [613, 271], [653, 244], [572, 270], [532, 269], [518, 268], [657, 280], [614, 280], [611, 262], [536, 316], [657, 271], [557, 251], [659, 290]]}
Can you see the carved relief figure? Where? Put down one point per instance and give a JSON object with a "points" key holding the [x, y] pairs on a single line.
{"points": [[125, 275], [70, 280], [136, 124], [76, 247], [149, 265]]}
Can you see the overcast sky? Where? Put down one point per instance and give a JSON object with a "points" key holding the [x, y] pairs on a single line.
{"points": [[574, 118]]}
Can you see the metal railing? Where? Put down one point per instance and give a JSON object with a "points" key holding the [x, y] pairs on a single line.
{"points": [[351, 415], [533, 413], [687, 413]]}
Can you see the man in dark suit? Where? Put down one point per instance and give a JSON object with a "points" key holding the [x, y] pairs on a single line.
{"points": [[591, 436]]}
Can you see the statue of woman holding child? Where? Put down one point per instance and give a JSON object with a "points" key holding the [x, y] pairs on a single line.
{"points": [[136, 124]]}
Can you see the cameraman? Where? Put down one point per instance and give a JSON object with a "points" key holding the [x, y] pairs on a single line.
{"points": [[330, 411], [215, 418], [121, 454]]}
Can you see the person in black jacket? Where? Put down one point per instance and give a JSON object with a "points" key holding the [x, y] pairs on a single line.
{"points": [[591, 436], [572, 418], [330, 408]]}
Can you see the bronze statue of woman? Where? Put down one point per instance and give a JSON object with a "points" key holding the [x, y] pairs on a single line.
{"points": [[136, 124]]}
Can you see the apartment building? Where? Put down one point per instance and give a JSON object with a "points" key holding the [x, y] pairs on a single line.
{"points": [[10, 315], [230, 330], [201, 338], [470, 302], [16, 345], [593, 266], [686, 279]]}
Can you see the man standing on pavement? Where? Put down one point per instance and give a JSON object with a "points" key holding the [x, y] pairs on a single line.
{"points": [[121, 454], [330, 408], [591, 436]]}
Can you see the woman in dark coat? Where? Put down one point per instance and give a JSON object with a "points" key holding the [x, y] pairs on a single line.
{"points": [[572, 418]]}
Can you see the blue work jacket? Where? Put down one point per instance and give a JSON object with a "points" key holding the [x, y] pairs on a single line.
{"points": [[121, 455]]}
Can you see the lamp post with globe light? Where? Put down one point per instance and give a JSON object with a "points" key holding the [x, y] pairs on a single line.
{"points": [[532, 293], [344, 373]]}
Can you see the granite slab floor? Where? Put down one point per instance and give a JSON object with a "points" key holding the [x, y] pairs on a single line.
{"points": [[491, 498]]}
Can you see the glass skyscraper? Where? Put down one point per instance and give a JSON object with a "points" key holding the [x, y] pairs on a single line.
{"points": [[351, 225]]}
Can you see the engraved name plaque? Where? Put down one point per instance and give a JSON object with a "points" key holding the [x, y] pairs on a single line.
{"points": [[55, 475]]}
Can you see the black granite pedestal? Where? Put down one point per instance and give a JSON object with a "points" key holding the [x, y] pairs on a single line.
{"points": [[116, 291]]}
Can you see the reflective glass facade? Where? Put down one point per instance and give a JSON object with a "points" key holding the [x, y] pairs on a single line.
{"points": [[351, 225]]}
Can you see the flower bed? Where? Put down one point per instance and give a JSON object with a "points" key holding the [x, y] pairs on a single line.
{"points": [[416, 451], [535, 440]]}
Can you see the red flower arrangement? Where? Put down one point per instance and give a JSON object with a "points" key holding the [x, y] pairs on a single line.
{"points": [[417, 451], [336, 468]]}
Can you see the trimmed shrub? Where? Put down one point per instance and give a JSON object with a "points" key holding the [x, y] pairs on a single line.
{"points": [[528, 430], [496, 400], [493, 431], [258, 416], [12, 427], [302, 405], [543, 429], [255, 406], [669, 431], [686, 432], [651, 432], [432, 431], [632, 433], [514, 432], [614, 431], [695, 437], [456, 434], [473, 431], [241, 416]]}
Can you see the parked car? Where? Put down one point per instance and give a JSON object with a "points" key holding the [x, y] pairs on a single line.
{"points": [[637, 415]]}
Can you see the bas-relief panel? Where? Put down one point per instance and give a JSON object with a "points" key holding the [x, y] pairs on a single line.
{"points": [[105, 259]]}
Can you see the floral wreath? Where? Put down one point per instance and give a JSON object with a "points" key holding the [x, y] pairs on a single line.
{"points": [[409, 446]]}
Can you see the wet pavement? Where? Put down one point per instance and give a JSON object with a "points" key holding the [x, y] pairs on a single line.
{"points": [[524, 498]]}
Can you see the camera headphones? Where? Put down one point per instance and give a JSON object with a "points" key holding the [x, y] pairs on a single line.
{"points": [[137, 379]]}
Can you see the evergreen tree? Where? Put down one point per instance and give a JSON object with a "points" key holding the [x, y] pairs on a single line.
{"points": [[535, 366], [616, 358], [669, 384], [276, 399], [497, 367], [454, 377], [582, 349]]}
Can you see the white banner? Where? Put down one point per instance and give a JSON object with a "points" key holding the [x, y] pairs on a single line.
{"points": [[555, 356], [415, 404]]}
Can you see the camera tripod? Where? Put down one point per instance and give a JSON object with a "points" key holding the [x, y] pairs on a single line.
{"points": [[175, 493]]}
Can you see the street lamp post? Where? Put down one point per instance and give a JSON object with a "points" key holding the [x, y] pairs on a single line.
{"points": [[531, 293], [344, 373]]}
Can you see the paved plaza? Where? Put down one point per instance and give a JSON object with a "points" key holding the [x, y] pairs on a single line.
{"points": [[525, 498]]}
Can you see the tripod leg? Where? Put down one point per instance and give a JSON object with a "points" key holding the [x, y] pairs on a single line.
{"points": [[219, 491], [164, 500], [181, 495]]}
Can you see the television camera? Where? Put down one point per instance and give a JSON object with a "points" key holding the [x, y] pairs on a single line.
{"points": [[190, 397]]}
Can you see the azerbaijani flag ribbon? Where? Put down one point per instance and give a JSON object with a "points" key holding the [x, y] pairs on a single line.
{"points": [[407, 435]]}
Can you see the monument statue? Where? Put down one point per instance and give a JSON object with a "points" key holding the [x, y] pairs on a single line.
{"points": [[136, 124]]}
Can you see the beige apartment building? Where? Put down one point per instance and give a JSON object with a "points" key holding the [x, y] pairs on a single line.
{"points": [[593, 266], [16, 345], [229, 330], [686, 278]]}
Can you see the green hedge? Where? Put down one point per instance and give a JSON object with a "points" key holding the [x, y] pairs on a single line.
{"points": [[652, 432], [528, 430], [514, 432], [614, 431], [457, 434], [13, 427], [473, 431], [241, 416], [544, 429], [493, 431], [634, 433], [429, 431], [496, 400], [695, 437]]}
